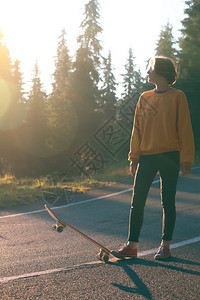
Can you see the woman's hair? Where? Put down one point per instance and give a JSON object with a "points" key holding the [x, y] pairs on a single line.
{"points": [[164, 66]]}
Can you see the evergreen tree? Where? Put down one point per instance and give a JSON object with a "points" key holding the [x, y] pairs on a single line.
{"points": [[139, 81], [132, 79], [85, 77], [35, 126], [88, 40], [165, 44], [5, 62], [5, 103], [61, 115], [190, 42], [129, 76], [6, 92], [17, 81], [84, 91], [108, 98], [62, 67], [189, 65], [37, 98], [59, 97], [17, 111]]}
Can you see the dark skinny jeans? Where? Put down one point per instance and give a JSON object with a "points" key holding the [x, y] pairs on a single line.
{"points": [[168, 165]]}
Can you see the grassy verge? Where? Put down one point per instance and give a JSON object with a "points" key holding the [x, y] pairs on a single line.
{"points": [[15, 191]]}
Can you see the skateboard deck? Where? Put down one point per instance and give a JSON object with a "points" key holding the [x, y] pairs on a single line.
{"points": [[103, 254]]}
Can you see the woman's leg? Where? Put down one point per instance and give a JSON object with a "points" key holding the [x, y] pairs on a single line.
{"points": [[143, 179], [169, 171]]}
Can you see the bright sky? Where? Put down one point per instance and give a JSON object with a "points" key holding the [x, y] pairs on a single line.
{"points": [[31, 29]]}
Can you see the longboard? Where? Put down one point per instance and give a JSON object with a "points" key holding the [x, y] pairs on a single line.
{"points": [[103, 254]]}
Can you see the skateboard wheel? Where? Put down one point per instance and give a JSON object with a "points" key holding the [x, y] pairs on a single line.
{"points": [[59, 228], [54, 226], [105, 258]]}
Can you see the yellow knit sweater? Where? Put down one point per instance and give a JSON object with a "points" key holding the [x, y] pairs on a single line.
{"points": [[162, 124]]}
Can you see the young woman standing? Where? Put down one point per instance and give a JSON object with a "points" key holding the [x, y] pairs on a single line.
{"points": [[162, 141]]}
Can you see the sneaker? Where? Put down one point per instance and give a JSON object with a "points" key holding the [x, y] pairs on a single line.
{"points": [[163, 253], [125, 251]]}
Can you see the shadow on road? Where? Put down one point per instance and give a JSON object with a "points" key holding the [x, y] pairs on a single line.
{"points": [[140, 288], [185, 261]]}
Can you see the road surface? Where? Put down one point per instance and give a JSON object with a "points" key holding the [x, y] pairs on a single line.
{"points": [[37, 263]]}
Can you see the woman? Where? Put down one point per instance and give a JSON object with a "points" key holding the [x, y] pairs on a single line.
{"points": [[162, 141]]}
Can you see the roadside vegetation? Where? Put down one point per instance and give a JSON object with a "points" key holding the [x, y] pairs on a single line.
{"points": [[18, 191]]}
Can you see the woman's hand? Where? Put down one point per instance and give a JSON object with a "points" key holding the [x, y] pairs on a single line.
{"points": [[133, 168], [185, 169]]}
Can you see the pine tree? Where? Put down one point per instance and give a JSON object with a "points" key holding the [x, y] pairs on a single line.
{"points": [[5, 61], [88, 40], [165, 44], [17, 110], [61, 114], [6, 91], [37, 97], [35, 126], [108, 98], [62, 67], [132, 79], [129, 76], [190, 42], [189, 65], [59, 97], [139, 81], [5, 103], [86, 69], [18, 83]]}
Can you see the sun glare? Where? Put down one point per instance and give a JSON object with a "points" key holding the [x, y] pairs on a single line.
{"points": [[31, 29], [4, 101]]}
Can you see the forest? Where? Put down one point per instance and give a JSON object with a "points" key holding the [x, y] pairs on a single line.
{"points": [[82, 125]]}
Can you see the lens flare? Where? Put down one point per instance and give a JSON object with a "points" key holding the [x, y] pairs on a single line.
{"points": [[5, 103]]}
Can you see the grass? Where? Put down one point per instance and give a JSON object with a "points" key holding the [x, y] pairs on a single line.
{"points": [[15, 191], [18, 191]]}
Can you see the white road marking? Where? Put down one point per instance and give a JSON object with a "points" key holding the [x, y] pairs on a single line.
{"points": [[71, 204], [77, 203], [46, 272], [92, 263], [172, 246]]}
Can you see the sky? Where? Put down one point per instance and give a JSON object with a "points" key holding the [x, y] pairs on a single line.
{"points": [[31, 29]]}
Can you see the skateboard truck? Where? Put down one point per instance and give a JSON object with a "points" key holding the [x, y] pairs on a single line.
{"points": [[102, 256]]}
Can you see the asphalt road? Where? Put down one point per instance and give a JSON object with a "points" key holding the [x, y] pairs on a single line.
{"points": [[37, 263]]}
